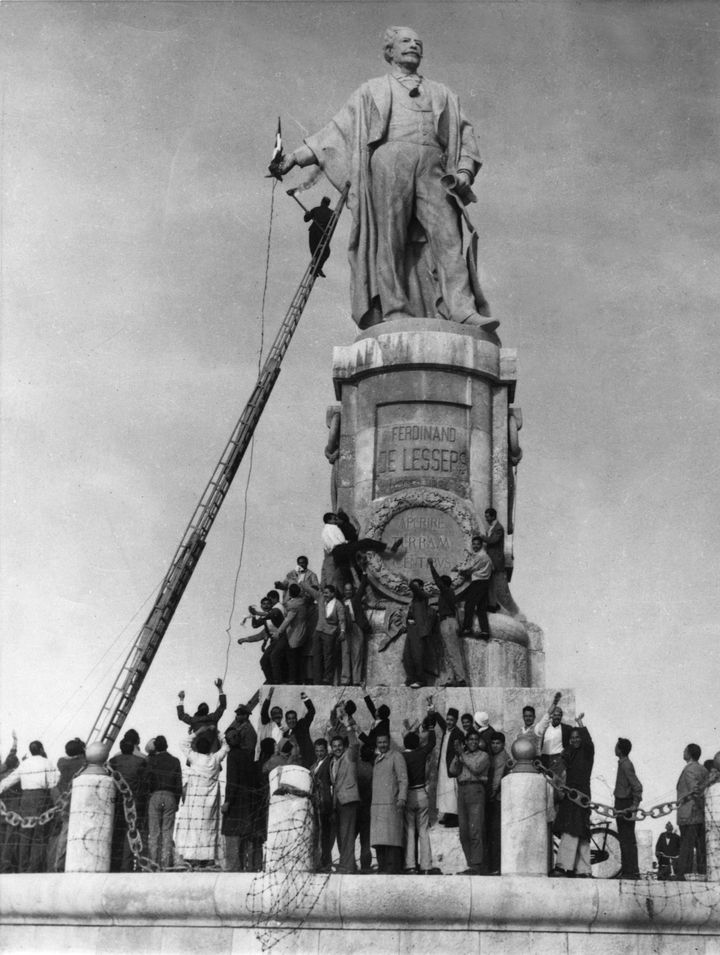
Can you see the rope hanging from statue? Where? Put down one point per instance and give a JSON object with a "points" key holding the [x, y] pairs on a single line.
{"points": [[274, 174]]}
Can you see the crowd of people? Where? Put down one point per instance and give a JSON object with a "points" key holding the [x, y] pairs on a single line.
{"points": [[368, 787], [314, 630]]}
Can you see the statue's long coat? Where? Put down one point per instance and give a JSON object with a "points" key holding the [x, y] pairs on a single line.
{"points": [[343, 149]]}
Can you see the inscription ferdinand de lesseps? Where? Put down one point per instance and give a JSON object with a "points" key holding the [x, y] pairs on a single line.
{"points": [[418, 443]]}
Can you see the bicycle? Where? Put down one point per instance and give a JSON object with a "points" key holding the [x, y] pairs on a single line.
{"points": [[605, 859]]}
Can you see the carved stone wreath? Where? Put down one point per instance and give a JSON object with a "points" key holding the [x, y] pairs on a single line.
{"points": [[382, 512]]}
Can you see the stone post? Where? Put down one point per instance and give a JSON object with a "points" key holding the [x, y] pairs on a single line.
{"points": [[524, 815], [92, 813], [712, 825], [290, 844], [645, 845]]}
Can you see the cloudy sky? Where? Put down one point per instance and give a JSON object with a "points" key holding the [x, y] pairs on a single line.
{"points": [[135, 237]]}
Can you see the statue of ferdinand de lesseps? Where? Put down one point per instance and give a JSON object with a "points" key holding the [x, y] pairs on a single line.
{"points": [[410, 155]]}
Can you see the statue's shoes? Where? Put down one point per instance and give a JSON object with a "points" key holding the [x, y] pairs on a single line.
{"points": [[477, 321]]}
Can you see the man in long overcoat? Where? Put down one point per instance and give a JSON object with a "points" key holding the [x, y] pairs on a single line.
{"points": [[387, 814]]}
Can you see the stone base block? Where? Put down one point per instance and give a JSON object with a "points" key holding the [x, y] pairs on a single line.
{"points": [[409, 707], [513, 656], [226, 913], [502, 704], [447, 854]]}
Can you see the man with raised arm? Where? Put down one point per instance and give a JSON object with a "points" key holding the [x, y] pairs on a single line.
{"points": [[572, 822], [203, 723], [553, 736], [269, 617], [447, 615], [299, 730], [417, 807], [401, 140], [271, 720]]}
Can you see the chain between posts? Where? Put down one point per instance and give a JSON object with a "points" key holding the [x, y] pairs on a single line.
{"points": [[130, 812], [134, 838], [13, 818], [631, 815], [146, 864]]}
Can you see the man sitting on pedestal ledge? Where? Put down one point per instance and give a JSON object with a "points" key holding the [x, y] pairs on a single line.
{"points": [[342, 545]]}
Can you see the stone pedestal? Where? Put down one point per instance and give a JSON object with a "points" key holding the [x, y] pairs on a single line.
{"points": [[92, 812], [425, 404], [712, 831], [425, 439], [524, 824]]}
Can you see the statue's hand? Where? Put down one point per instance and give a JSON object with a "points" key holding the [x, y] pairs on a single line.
{"points": [[463, 181], [287, 164]]}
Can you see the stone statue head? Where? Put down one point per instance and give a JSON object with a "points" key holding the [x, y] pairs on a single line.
{"points": [[403, 47]]}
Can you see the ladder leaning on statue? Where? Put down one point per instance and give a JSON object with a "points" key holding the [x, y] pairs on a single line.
{"points": [[119, 701]]}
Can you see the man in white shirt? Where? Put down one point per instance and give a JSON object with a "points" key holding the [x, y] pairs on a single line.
{"points": [[528, 730], [477, 568], [271, 721], [341, 551], [554, 736], [302, 575], [331, 537], [37, 776]]}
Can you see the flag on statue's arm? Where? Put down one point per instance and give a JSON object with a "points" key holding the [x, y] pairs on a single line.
{"points": [[277, 156]]}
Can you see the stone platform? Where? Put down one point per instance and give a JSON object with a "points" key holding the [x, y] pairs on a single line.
{"points": [[502, 704], [243, 914]]}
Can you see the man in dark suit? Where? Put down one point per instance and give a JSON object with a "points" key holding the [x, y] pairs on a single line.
{"points": [[299, 730], [667, 850], [628, 795], [346, 797], [319, 217], [323, 804], [691, 813], [163, 781], [357, 627], [203, 722], [132, 769], [494, 541]]}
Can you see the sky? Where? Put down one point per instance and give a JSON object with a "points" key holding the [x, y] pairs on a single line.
{"points": [[146, 261]]}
